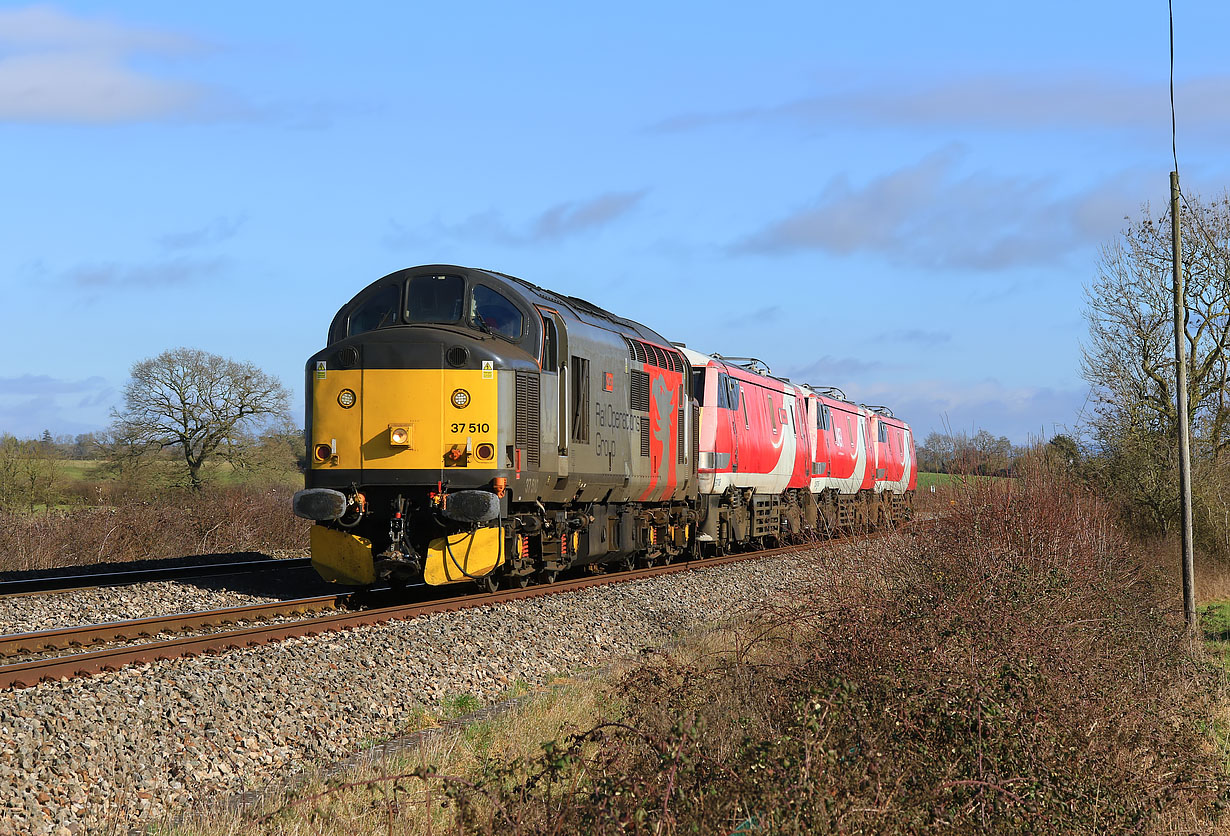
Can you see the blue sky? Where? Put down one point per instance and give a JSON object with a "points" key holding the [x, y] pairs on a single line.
{"points": [[901, 199]]}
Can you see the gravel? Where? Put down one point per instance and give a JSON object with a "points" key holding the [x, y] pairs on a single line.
{"points": [[80, 755], [25, 614]]}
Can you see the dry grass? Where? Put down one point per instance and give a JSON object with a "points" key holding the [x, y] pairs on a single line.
{"points": [[133, 527], [402, 793]]}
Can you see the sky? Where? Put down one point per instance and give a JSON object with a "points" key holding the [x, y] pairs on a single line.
{"points": [[902, 199]]}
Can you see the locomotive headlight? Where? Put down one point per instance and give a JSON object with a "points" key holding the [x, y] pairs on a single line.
{"points": [[460, 398], [346, 398], [399, 435]]}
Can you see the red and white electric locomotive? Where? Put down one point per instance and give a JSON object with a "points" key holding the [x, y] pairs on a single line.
{"points": [[779, 459]]}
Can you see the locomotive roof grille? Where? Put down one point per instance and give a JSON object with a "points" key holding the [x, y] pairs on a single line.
{"points": [[663, 358]]}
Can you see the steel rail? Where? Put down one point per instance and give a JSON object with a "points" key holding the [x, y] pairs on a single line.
{"points": [[27, 674], [61, 638], [64, 583]]}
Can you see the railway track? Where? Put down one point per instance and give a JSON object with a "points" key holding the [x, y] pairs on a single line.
{"points": [[31, 672], [65, 583], [65, 638]]}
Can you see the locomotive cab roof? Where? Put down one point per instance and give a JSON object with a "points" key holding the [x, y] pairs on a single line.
{"points": [[464, 298], [439, 295]]}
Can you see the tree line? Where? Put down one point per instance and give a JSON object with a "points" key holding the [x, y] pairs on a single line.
{"points": [[982, 454]]}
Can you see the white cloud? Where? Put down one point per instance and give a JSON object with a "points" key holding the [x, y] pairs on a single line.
{"points": [[934, 215], [61, 68], [560, 221], [30, 403], [1069, 102], [161, 274], [1019, 412], [47, 26]]}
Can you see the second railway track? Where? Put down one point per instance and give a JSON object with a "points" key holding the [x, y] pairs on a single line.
{"points": [[63, 583], [31, 672]]}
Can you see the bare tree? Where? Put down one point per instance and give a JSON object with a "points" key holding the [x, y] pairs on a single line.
{"points": [[1129, 355], [196, 401]]}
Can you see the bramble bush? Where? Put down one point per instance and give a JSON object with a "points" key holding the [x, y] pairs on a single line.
{"points": [[1014, 667]]}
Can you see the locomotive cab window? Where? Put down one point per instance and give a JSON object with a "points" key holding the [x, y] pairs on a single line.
{"points": [[491, 311], [728, 392], [698, 386], [434, 298], [549, 342], [883, 432], [379, 311]]}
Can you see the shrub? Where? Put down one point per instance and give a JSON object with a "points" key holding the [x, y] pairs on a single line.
{"points": [[1012, 669], [140, 526]]}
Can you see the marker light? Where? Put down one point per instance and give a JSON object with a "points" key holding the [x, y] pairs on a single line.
{"points": [[322, 452], [346, 398]]}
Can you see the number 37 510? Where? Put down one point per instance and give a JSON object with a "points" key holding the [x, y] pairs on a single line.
{"points": [[471, 428]]}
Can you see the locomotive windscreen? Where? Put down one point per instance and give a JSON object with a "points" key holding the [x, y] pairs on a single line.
{"points": [[434, 298], [377, 312]]}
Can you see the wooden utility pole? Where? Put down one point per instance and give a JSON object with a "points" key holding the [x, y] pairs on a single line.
{"points": [[1187, 559]]}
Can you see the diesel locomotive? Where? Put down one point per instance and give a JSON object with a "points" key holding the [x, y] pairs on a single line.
{"points": [[467, 425]]}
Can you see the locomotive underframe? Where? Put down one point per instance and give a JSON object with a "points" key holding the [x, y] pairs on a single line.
{"points": [[541, 540], [742, 517]]}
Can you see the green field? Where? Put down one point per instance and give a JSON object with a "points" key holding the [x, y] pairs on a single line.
{"points": [[163, 470], [941, 480]]}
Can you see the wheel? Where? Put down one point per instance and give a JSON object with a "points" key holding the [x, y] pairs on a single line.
{"points": [[490, 583], [521, 581], [548, 575]]}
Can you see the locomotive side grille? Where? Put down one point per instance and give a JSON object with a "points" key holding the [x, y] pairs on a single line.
{"points": [[645, 437], [639, 397], [679, 437], [528, 417]]}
